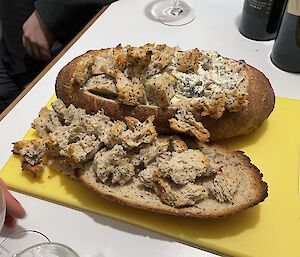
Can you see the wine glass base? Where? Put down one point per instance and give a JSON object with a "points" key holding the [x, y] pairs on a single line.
{"points": [[50, 250], [163, 11], [21, 240]]}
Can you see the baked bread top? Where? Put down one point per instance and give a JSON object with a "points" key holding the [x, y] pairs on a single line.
{"points": [[163, 81], [164, 76]]}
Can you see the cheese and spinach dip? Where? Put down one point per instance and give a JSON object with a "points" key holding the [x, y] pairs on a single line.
{"points": [[216, 75]]}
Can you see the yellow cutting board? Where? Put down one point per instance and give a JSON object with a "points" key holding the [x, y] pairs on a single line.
{"points": [[270, 229]]}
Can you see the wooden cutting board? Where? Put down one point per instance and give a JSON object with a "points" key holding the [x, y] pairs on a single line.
{"points": [[269, 229]]}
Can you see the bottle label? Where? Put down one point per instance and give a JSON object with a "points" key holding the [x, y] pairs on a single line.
{"points": [[294, 7], [259, 8]]}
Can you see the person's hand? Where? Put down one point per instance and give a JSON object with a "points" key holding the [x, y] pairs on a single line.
{"points": [[14, 210], [37, 38]]}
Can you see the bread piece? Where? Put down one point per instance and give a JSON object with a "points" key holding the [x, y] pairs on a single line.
{"points": [[238, 171], [128, 163], [184, 122], [224, 110], [31, 153]]}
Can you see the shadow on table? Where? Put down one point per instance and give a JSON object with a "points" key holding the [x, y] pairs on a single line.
{"points": [[150, 11], [189, 231]]}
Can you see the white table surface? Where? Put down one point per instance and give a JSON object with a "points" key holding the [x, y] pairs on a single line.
{"points": [[130, 22]]}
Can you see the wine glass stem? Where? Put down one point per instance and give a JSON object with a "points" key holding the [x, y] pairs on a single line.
{"points": [[176, 10], [4, 252]]}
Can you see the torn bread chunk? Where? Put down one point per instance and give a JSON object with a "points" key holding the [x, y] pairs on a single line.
{"points": [[146, 176], [235, 100], [65, 165], [31, 153], [67, 115], [179, 196], [187, 61], [130, 92], [184, 122], [84, 149], [113, 164], [161, 58], [83, 69], [73, 142], [139, 132], [46, 122], [60, 139], [148, 60], [183, 167], [160, 89], [102, 85], [138, 61], [94, 124], [214, 106], [113, 58], [35, 171], [175, 177], [150, 152], [113, 133], [177, 144]]}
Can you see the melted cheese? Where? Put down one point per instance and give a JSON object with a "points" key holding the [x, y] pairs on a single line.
{"points": [[215, 74]]}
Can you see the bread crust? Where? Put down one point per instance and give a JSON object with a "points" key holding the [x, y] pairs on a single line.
{"points": [[260, 96], [250, 172]]}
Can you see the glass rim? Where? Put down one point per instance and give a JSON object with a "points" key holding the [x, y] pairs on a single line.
{"points": [[14, 235], [54, 244]]}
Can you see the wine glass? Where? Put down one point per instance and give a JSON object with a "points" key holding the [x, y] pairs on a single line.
{"points": [[47, 250], [173, 12], [29, 243], [2, 209]]}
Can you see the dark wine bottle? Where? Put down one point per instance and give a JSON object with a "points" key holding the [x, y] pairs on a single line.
{"points": [[286, 49], [260, 19]]}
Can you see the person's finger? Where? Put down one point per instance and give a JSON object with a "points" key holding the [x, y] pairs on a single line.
{"points": [[32, 48], [39, 52], [28, 47], [45, 54], [44, 49], [13, 207], [36, 51], [10, 221]]}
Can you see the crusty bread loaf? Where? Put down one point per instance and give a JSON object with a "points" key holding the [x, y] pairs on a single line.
{"points": [[126, 161], [251, 104]]}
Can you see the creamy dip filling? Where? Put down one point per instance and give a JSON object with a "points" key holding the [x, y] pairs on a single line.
{"points": [[215, 74]]}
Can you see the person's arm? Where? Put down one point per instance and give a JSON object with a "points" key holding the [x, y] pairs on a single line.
{"points": [[56, 19], [61, 16], [14, 209]]}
